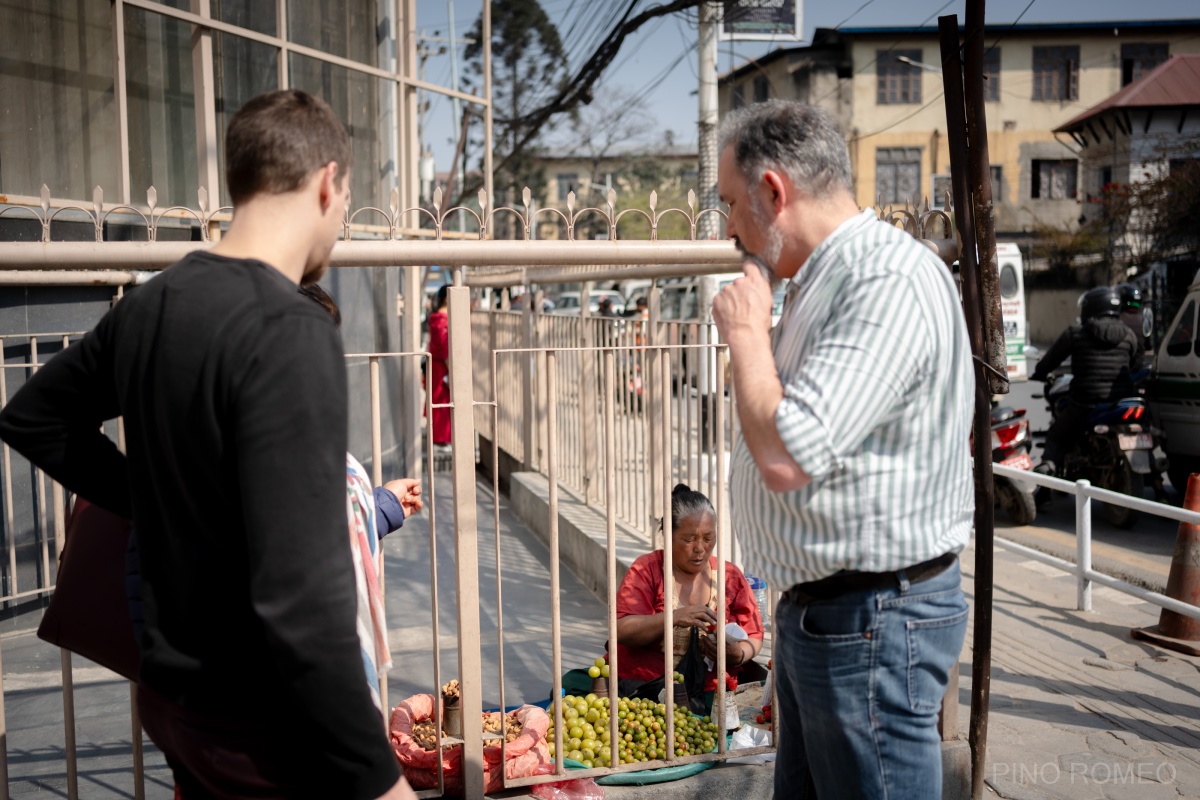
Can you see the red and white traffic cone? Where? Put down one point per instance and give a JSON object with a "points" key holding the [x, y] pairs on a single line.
{"points": [[1174, 630]]}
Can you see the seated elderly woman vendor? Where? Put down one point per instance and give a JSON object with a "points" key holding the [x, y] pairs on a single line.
{"points": [[693, 607]]}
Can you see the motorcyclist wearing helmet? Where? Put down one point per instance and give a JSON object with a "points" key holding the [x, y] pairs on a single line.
{"points": [[1133, 315], [1103, 353]]}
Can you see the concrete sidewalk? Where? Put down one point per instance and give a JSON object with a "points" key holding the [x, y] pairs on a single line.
{"points": [[1079, 709]]}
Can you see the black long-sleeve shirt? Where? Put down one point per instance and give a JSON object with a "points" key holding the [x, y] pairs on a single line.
{"points": [[232, 387]]}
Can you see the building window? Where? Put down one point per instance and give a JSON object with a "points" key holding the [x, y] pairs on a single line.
{"points": [[897, 81], [59, 122], [941, 185], [1054, 179], [1056, 73], [567, 183], [898, 174], [762, 89], [939, 188], [739, 96], [991, 75], [1138, 59]]}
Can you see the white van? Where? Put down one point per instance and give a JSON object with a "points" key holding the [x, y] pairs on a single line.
{"points": [[1012, 308], [1173, 390], [690, 300]]}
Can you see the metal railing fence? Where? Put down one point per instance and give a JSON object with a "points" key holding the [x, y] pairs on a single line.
{"points": [[1084, 493], [668, 466], [521, 425], [50, 526], [33, 517], [652, 397]]}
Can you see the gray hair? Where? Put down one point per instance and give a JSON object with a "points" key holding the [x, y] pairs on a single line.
{"points": [[801, 141]]}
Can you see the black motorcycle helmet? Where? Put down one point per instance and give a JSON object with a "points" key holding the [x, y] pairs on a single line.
{"points": [[1102, 301], [1131, 297]]}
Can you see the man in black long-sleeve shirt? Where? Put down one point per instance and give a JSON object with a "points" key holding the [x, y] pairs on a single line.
{"points": [[232, 387]]}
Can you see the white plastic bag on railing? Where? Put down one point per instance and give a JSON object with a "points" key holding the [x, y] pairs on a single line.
{"points": [[747, 737]]}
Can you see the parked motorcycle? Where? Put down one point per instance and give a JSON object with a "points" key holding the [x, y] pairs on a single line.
{"points": [[1116, 451], [1011, 443]]}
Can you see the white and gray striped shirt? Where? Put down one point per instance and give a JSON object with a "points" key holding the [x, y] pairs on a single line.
{"points": [[876, 367]]}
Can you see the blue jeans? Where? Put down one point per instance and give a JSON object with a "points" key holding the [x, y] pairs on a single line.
{"points": [[860, 680]]}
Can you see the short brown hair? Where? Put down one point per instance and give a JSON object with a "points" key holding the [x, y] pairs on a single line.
{"points": [[278, 139]]}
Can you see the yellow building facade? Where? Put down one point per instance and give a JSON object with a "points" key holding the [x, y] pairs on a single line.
{"points": [[1039, 76]]}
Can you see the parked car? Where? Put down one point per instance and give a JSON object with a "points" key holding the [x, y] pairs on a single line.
{"points": [[568, 303], [690, 300]]}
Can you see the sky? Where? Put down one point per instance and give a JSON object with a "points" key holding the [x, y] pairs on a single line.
{"points": [[660, 60]]}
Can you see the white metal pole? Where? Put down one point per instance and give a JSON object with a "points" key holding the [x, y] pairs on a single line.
{"points": [[456, 109], [1083, 543]]}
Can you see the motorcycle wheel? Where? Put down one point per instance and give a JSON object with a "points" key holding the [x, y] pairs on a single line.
{"points": [[1124, 480], [1019, 505]]}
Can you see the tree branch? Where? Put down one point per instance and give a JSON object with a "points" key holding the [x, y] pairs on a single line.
{"points": [[579, 90]]}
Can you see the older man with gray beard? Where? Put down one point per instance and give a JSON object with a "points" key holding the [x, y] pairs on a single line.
{"points": [[851, 481]]}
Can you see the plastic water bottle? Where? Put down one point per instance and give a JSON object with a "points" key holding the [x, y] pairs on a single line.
{"points": [[759, 587]]}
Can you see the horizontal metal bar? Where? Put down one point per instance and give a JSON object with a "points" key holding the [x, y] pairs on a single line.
{"points": [[73, 278], [30, 593], [1038, 555], [617, 348], [1103, 495], [40, 334], [422, 353], [1161, 600], [394, 253], [728, 259], [1071, 568]]}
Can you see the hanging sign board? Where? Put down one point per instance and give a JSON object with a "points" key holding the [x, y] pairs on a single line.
{"points": [[761, 19]]}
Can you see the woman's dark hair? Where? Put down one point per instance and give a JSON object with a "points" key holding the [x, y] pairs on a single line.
{"points": [[439, 300], [314, 292], [685, 502]]}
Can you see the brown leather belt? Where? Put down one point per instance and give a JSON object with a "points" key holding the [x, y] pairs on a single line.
{"points": [[851, 582]]}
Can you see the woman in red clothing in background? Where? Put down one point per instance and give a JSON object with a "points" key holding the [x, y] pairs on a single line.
{"points": [[439, 373], [693, 608]]}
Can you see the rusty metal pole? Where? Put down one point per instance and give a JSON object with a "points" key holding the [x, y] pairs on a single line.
{"points": [[980, 177], [972, 290]]}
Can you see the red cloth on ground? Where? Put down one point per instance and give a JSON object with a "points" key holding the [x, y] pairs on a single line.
{"points": [[641, 593], [439, 351]]}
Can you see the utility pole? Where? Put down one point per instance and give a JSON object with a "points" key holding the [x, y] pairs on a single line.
{"points": [[425, 168], [455, 108], [709, 227]]}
